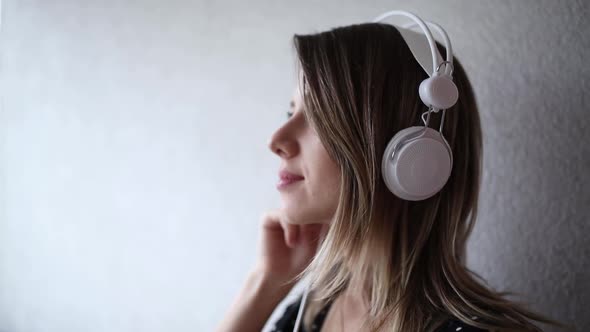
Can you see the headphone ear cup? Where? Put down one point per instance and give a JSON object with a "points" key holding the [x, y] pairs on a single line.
{"points": [[439, 92], [421, 165]]}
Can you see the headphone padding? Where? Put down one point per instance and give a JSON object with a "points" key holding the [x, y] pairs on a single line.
{"points": [[420, 168]]}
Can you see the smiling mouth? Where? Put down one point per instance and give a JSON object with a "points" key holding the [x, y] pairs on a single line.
{"points": [[286, 182]]}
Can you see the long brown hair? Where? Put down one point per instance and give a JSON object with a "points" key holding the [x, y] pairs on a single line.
{"points": [[360, 86]]}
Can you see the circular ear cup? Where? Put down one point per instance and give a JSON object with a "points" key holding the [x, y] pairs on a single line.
{"points": [[421, 165], [439, 91]]}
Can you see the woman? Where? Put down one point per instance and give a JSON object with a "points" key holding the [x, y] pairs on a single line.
{"points": [[375, 262]]}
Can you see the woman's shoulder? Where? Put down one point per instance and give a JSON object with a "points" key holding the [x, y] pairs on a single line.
{"points": [[287, 321]]}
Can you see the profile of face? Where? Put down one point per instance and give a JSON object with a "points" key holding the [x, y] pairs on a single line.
{"points": [[309, 179]]}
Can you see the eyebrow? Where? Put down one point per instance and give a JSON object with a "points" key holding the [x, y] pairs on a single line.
{"points": [[291, 104]]}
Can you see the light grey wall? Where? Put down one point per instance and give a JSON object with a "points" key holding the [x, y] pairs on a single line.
{"points": [[134, 164]]}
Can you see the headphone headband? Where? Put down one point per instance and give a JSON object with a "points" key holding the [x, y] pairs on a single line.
{"points": [[421, 53]]}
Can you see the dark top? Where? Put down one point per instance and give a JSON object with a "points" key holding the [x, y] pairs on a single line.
{"points": [[286, 323]]}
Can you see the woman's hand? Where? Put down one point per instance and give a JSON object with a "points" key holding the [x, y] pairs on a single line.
{"points": [[286, 249]]}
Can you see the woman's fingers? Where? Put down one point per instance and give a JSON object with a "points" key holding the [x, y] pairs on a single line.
{"points": [[275, 221], [291, 235], [271, 220], [296, 234], [311, 232]]}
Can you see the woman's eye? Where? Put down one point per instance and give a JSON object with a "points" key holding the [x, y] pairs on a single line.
{"points": [[289, 114]]}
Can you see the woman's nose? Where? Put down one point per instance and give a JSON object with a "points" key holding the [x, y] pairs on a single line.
{"points": [[283, 144]]}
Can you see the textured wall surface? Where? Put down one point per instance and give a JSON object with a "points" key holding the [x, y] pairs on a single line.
{"points": [[134, 166]]}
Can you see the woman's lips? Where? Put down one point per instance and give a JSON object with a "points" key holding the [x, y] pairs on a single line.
{"points": [[286, 178], [285, 182]]}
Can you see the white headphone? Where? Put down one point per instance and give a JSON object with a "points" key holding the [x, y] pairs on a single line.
{"points": [[418, 160]]}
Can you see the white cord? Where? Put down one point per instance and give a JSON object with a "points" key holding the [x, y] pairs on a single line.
{"points": [[301, 308]]}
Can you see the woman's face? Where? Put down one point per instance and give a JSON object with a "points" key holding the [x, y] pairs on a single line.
{"points": [[310, 196]]}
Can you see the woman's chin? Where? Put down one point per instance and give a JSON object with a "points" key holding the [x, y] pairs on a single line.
{"points": [[296, 216], [293, 217]]}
